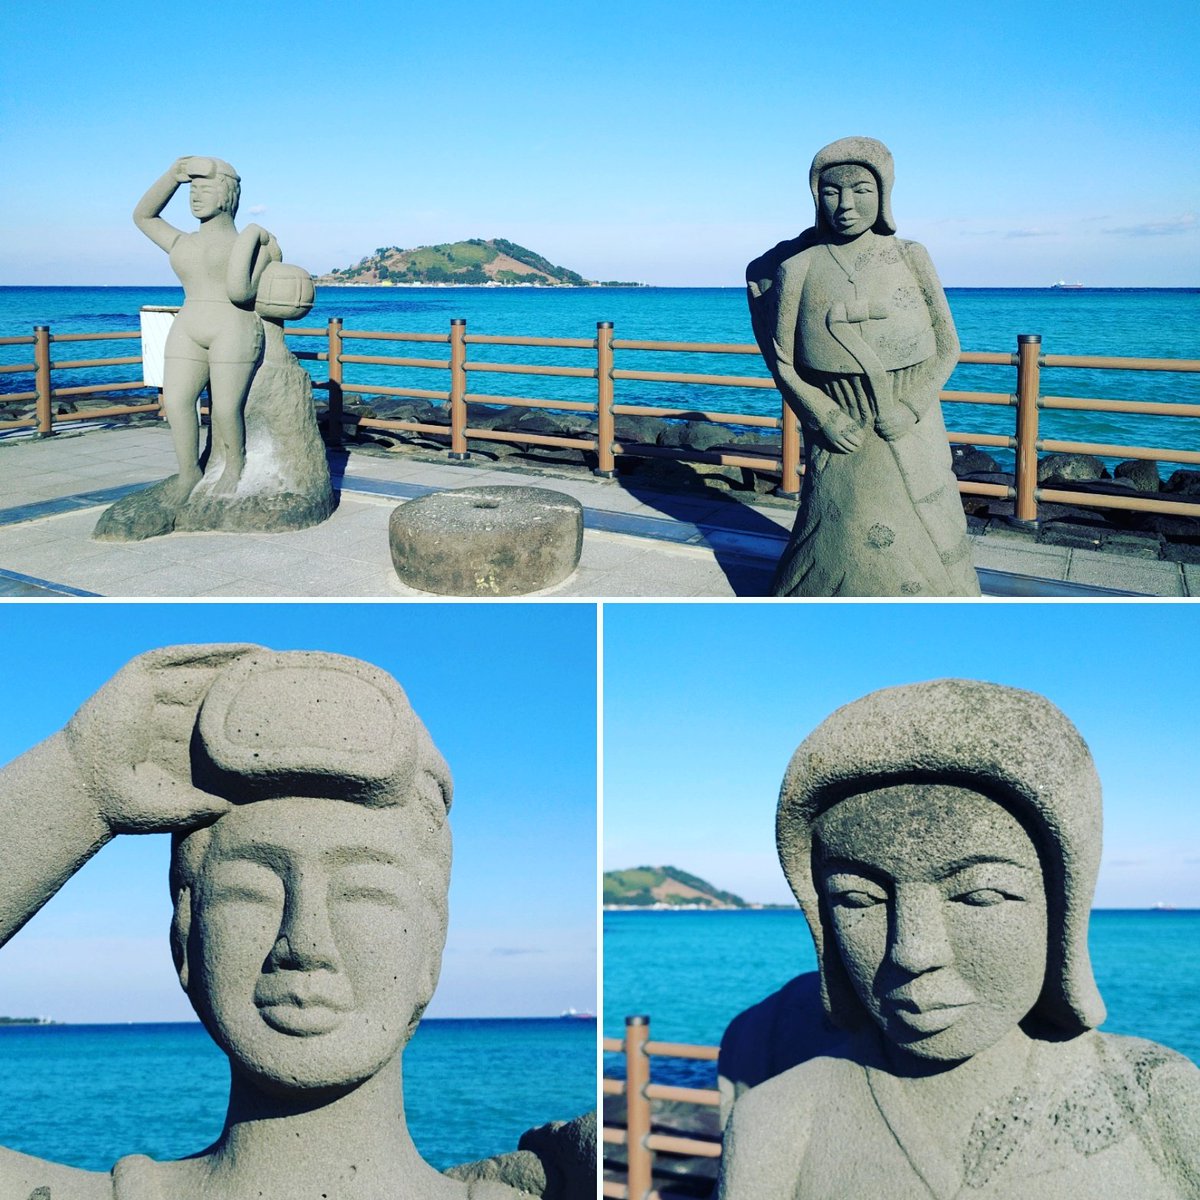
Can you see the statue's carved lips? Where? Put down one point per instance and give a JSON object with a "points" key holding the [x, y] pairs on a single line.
{"points": [[930, 1017], [300, 1009]]}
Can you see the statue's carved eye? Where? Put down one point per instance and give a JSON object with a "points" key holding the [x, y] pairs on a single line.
{"points": [[984, 897], [856, 899]]}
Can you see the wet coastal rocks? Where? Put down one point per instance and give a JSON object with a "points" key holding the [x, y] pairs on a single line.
{"points": [[1143, 535]]}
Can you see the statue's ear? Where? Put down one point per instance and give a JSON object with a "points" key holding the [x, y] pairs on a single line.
{"points": [[181, 927]]}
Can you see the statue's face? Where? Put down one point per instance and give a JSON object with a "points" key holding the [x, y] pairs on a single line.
{"points": [[310, 946], [849, 199], [208, 197], [936, 899]]}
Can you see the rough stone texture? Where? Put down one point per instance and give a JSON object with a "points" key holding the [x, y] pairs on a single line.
{"points": [[1070, 468], [943, 841], [488, 541], [694, 435], [290, 782], [556, 1161], [1141, 473], [264, 468], [1072, 534], [856, 331], [1184, 483], [284, 484]]}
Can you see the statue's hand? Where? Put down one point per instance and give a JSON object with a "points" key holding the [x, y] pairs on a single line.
{"points": [[894, 422], [132, 740], [179, 169], [842, 432]]}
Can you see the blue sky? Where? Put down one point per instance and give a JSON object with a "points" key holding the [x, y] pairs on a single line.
{"points": [[508, 693], [641, 139], [704, 704]]}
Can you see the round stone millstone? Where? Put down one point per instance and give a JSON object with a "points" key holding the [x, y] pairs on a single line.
{"points": [[486, 541]]}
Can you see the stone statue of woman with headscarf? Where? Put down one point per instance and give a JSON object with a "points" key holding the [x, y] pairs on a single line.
{"points": [[943, 841], [855, 328]]}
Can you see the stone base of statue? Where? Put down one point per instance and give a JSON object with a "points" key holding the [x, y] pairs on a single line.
{"points": [[487, 541], [284, 484]]}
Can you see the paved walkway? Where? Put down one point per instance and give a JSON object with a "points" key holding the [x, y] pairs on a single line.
{"points": [[636, 543]]}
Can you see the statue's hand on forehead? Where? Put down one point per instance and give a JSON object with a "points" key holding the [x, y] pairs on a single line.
{"points": [[132, 740]]}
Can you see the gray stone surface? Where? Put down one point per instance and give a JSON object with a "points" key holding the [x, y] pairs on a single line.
{"points": [[1069, 468], [286, 780], [856, 331], [943, 841], [487, 541], [556, 1161], [264, 467], [1141, 472]]}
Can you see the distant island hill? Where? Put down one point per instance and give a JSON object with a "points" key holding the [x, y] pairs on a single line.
{"points": [[668, 888], [477, 262], [27, 1021]]}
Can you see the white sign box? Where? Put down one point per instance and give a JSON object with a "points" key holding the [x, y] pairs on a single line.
{"points": [[156, 324]]}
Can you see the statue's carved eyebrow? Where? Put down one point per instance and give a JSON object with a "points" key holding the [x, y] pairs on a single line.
{"points": [[851, 866], [975, 860], [352, 856]]}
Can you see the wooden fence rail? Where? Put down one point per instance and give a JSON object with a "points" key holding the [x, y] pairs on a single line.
{"points": [[636, 1136], [1026, 399]]}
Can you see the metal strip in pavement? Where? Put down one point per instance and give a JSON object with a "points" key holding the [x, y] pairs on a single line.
{"points": [[13, 583]]}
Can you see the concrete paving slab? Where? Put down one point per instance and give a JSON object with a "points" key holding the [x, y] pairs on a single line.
{"points": [[643, 542], [1154, 578], [1049, 562]]}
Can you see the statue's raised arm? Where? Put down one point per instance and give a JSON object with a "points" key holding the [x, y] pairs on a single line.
{"points": [[158, 195], [121, 765]]}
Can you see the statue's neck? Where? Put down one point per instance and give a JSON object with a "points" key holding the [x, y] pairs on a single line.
{"points": [[356, 1144], [859, 241], [959, 1090], [220, 222]]}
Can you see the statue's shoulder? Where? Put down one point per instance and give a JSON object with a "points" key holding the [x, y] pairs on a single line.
{"points": [[914, 253], [1162, 1089], [1145, 1058], [782, 1106], [23, 1177], [763, 269]]}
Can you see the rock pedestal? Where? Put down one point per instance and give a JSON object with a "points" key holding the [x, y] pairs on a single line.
{"points": [[487, 541], [284, 483]]}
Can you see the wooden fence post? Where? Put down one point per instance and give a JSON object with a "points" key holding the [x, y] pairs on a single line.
{"points": [[789, 449], [458, 389], [1029, 348], [334, 431], [41, 358], [637, 1107], [606, 466]]}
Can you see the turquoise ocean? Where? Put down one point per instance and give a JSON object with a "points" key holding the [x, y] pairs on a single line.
{"points": [[88, 1094], [691, 972], [1152, 323]]}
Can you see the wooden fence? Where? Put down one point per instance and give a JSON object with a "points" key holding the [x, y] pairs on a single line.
{"points": [[1025, 399], [636, 1136]]}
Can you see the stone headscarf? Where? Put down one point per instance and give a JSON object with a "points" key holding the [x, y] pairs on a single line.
{"points": [[1012, 745], [864, 152]]}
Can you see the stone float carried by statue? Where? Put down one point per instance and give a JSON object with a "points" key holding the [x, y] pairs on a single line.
{"points": [[309, 874], [943, 841], [856, 331], [264, 468]]}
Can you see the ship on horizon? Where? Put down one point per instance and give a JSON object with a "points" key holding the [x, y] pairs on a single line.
{"points": [[1063, 286]]}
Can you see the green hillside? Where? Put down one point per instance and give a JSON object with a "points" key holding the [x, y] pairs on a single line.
{"points": [[644, 886], [477, 261]]}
